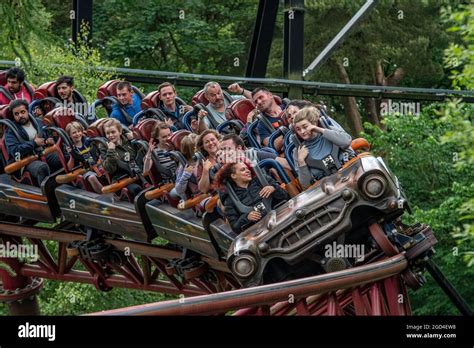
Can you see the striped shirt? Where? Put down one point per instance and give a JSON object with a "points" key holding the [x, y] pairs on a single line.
{"points": [[167, 162]]}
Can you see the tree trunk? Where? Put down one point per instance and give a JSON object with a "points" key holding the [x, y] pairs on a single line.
{"points": [[372, 110], [372, 106], [350, 104]]}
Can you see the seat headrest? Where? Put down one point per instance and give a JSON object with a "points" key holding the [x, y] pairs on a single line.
{"points": [[61, 116], [96, 129], [3, 78], [47, 89], [277, 99], [239, 109], [176, 138], [108, 89], [3, 111], [199, 97], [151, 100], [144, 128]]}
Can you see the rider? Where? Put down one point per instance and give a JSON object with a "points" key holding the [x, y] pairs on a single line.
{"points": [[159, 145], [32, 139], [319, 146], [75, 131], [128, 104], [250, 192], [120, 156], [169, 105], [16, 86]]}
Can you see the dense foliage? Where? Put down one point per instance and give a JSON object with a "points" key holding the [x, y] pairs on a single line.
{"points": [[412, 148]]}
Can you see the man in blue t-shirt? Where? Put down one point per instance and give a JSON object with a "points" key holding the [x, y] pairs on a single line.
{"points": [[128, 106], [271, 111]]}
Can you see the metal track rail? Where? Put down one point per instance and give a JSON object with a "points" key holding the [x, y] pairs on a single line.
{"points": [[283, 86], [273, 293]]}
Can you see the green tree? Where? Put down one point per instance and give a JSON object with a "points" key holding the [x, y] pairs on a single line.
{"points": [[80, 61], [399, 43], [187, 36], [23, 22], [411, 147], [460, 59]]}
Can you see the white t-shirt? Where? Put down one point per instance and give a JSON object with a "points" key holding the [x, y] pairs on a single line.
{"points": [[30, 130]]}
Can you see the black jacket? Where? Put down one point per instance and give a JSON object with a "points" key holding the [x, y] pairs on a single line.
{"points": [[117, 161], [250, 197], [24, 147]]}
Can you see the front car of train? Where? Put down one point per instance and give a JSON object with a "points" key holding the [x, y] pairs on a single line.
{"points": [[336, 211]]}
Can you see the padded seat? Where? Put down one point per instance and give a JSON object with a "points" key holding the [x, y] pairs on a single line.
{"points": [[47, 89], [200, 98], [143, 130], [151, 100], [239, 109], [96, 129], [3, 111], [61, 117], [176, 138], [108, 89]]}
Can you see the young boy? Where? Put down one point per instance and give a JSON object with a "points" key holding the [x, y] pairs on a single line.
{"points": [[75, 131]]}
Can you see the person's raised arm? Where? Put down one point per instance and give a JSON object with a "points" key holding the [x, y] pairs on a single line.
{"points": [[236, 89], [202, 122], [304, 173], [204, 184], [337, 136]]}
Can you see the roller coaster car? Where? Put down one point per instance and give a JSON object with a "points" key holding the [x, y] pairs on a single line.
{"points": [[105, 212], [336, 208], [18, 197]]}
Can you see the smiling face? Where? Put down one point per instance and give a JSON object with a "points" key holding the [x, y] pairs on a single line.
{"points": [[124, 96], [65, 91], [168, 96], [112, 134], [302, 128], [210, 144], [228, 151], [163, 136], [20, 114], [76, 135], [241, 173]]}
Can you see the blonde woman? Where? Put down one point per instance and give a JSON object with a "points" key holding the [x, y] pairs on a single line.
{"points": [[322, 150]]}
